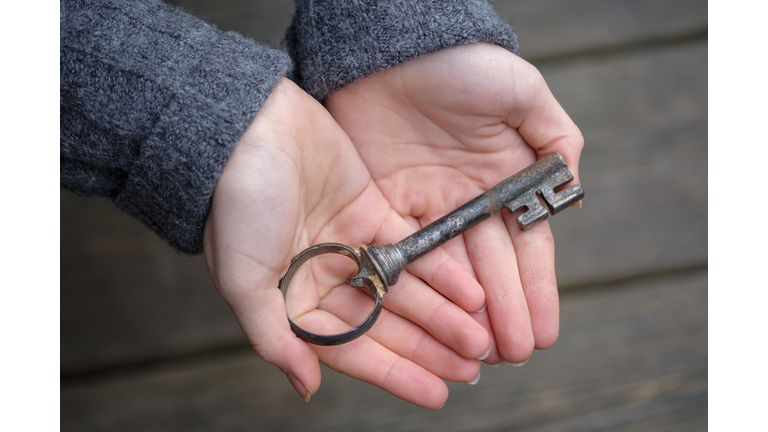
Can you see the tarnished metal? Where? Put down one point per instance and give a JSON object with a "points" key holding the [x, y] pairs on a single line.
{"points": [[370, 283], [380, 265]]}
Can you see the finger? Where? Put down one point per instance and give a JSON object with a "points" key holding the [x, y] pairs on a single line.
{"points": [[368, 361], [535, 250], [436, 268], [261, 314], [494, 356], [440, 271], [494, 260], [414, 300], [541, 121], [400, 335], [457, 249]]}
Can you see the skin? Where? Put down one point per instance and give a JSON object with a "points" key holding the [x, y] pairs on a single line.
{"points": [[295, 180], [437, 131]]}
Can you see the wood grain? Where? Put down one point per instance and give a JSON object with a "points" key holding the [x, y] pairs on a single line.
{"points": [[643, 115], [127, 296], [262, 20], [545, 28], [552, 28], [631, 356]]}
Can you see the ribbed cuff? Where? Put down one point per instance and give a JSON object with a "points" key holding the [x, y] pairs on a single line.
{"points": [[335, 43], [158, 99]]}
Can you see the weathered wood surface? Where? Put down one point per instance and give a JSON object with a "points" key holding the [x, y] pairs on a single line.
{"points": [[632, 356], [552, 28], [262, 20], [643, 115], [545, 28], [127, 296]]}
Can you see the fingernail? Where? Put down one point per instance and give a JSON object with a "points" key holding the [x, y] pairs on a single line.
{"points": [[299, 387], [503, 362], [441, 406], [485, 356], [577, 206], [482, 309], [476, 380], [521, 364]]}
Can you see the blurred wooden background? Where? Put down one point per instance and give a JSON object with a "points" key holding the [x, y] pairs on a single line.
{"points": [[147, 344]]}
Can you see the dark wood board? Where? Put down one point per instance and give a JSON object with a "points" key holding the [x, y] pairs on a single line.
{"points": [[643, 115], [262, 20], [545, 28], [552, 28], [632, 356], [127, 296]]}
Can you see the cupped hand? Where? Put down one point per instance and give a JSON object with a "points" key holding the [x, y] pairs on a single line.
{"points": [[295, 180], [437, 131]]}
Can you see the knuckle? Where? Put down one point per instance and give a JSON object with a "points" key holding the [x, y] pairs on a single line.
{"points": [[439, 269], [392, 372], [504, 295], [269, 350], [538, 239], [491, 249], [263, 352]]}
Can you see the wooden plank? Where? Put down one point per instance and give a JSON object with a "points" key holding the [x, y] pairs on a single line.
{"points": [[263, 20], [127, 296], [545, 28], [643, 115], [631, 356], [551, 28]]}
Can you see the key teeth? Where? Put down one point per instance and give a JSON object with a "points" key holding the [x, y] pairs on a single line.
{"points": [[535, 213], [566, 198], [555, 202], [530, 218]]}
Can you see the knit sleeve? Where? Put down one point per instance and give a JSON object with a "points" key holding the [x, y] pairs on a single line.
{"points": [[152, 103], [336, 42]]}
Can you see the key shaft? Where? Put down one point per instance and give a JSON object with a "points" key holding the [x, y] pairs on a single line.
{"points": [[521, 190]]}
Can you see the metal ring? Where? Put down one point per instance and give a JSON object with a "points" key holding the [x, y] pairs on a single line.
{"points": [[340, 338]]}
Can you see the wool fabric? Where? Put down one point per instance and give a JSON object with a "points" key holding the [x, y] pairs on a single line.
{"points": [[153, 100]]}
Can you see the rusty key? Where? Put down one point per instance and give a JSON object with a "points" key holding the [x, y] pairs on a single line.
{"points": [[379, 266]]}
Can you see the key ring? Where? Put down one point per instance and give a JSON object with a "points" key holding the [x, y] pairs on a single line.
{"points": [[365, 278]]}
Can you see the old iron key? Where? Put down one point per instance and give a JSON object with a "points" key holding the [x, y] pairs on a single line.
{"points": [[379, 266]]}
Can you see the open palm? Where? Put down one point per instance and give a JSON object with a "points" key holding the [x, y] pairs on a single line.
{"points": [[439, 130], [295, 180]]}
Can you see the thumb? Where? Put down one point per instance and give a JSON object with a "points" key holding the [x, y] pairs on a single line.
{"points": [[542, 122], [262, 316]]}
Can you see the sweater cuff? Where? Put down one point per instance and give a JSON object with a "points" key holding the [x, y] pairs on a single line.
{"points": [[168, 93], [335, 43]]}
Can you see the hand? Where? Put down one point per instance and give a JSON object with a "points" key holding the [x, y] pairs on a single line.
{"points": [[295, 180], [437, 131]]}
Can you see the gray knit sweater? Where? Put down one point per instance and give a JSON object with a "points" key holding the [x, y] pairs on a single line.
{"points": [[153, 100]]}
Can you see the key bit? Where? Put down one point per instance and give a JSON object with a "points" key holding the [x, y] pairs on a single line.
{"points": [[527, 189], [555, 202]]}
